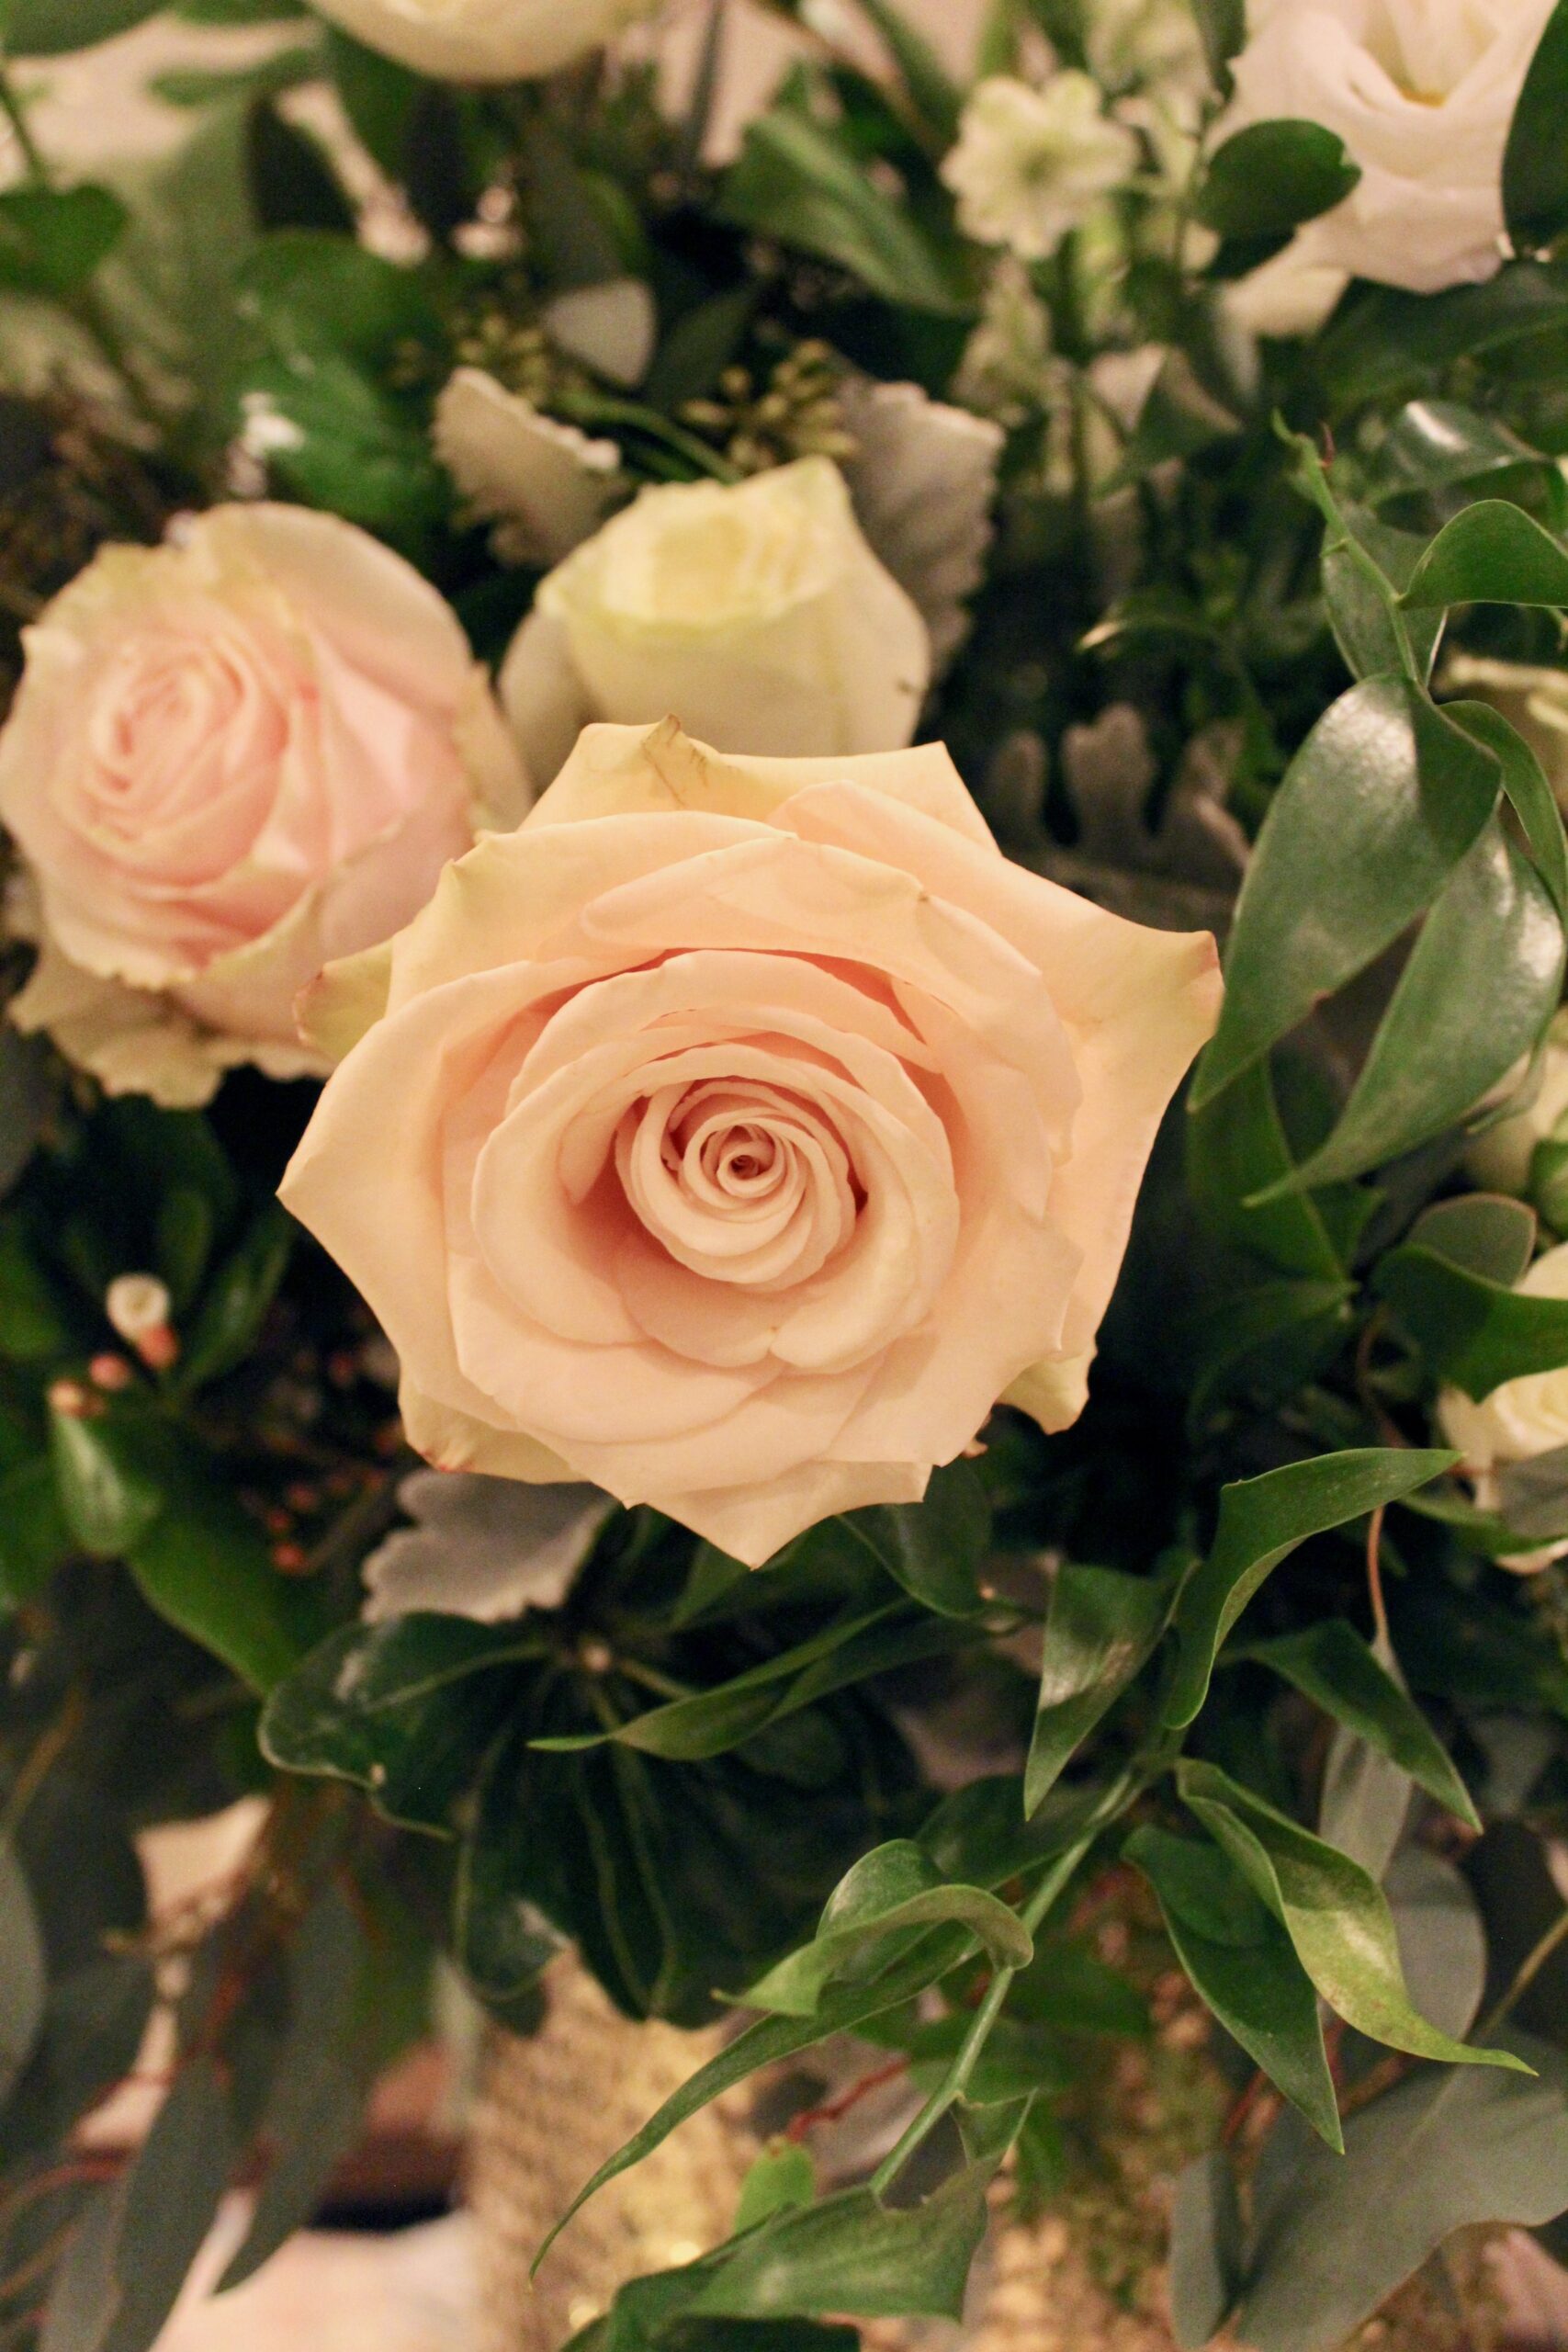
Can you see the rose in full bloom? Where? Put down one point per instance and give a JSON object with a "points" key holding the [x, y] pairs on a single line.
{"points": [[1030, 165], [756, 611], [736, 1132], [231, 758], [1422, 92], [1517, 1421], [484, 41]]}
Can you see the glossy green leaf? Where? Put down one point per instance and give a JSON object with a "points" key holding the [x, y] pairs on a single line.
{"points": [[1380, 805], [1208, 2241], [894, 1887], [1242, 1964], [108, 1490], [1475, 995], [850, 2254], [237, 1298], [1236, 1156], [1261, 1521], [783, 2175], [1221, 26], [1488, 1234], [1332, 1666], [933, 1548], [796, 181], [1524, 783], [1440, 2151], [51, 240], [1266, 180], [378, 96], [1435, 444], [1492, 553], [53, 28], [1100, 1632], [24, 1971], [1336, 1917], [351, 447], [204, 1565], [1472, 1329], [34, 1536], [1382, 340], [1535, 162]]}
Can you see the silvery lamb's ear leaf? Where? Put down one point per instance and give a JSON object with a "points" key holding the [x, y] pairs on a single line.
{"points": [[479, 1547]]}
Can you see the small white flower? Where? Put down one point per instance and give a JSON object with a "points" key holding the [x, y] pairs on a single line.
{"points": [[1032, 165], [545, 484], [137, 1303]]}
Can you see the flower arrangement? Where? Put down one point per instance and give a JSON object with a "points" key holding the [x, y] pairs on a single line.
{"points": [[622, 765]]}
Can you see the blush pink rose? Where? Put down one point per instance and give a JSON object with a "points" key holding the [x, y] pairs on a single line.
{"points": [[232, 758], [735, 1133]]}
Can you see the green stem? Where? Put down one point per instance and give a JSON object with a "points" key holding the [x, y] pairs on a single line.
{"points": [[15, 114], [956, 2080]]}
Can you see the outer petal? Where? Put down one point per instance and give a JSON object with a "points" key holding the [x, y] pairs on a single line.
{"points": [[753, 1523]]}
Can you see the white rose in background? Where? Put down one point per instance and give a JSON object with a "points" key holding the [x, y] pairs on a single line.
{"points": [[1519, 1421], [754, 612], [1499, 1157], [484, 41], [231, 758], [1422, 92], [544, 485], [1030, 165]]}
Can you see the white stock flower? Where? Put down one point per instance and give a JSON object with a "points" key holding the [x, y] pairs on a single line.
{"points": [[484, 41], [924, 477], [1032, 165], [483, 1547], [1152, 44], [1422, 92], [544, 484], [1522, 1419], [754, 612]]}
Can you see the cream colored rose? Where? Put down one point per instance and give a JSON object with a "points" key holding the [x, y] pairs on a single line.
{"points": [[231, 758], [756, 613], [1422, 92], [1518, 1420], [735, 1133], [484, 41]]}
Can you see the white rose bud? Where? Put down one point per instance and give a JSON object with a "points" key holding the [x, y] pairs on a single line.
{"points": [[755, 612], [1032, 165], [1422, 92], [484, 41], [1522, 1419]]}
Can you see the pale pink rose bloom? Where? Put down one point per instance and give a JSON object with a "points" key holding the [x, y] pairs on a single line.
{"points": [[231, 758], [734, 1134]]}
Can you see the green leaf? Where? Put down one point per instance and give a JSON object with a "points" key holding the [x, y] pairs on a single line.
{"points": [[502, 1941], [1382, 340], [51, 240], [34, 1536], [314, 293], [796, 182], [1472, 1329], [1019, 2059], [24, 1973], [1067, 1988], [1535, 162], [933, 1548], [1438, 2152], [701, 342], [200, 85], [1237, 1155], [1437, 444], [1524, 782], [1492, 553], [378, 96], [1487, 1232], [1532, 1495], [1380, 805], [1266, 180], [32, 1325], [1221, 26], [895, 1886], [1481, 984], [1243, 1965], [1336, 1917], [349, 445], [850, 2254], [1261, 1521], [932, 89], [1364, 1803], [1100, 1632], [292, 184], [204, 1565], [234, 1306], [783, 2175], [53, 28], [108, 1489], [1332, 1666], [1208, 2242]]}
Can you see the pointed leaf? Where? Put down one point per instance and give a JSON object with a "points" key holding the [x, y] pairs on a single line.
{"points": [[1207, 2244], [933, 1548], [1492, 553], [1242, 1964], [1332, 1666], [1524, 782], [1335, 1915], [1100, 1632], [1261, 1521], [1535, 163], [850, 2254], [1379, 805], [894, 1887]]}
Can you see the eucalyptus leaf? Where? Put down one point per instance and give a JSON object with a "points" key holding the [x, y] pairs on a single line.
{"points": [[1261, 1521], [1335, 1915], [1100, 1631]]}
